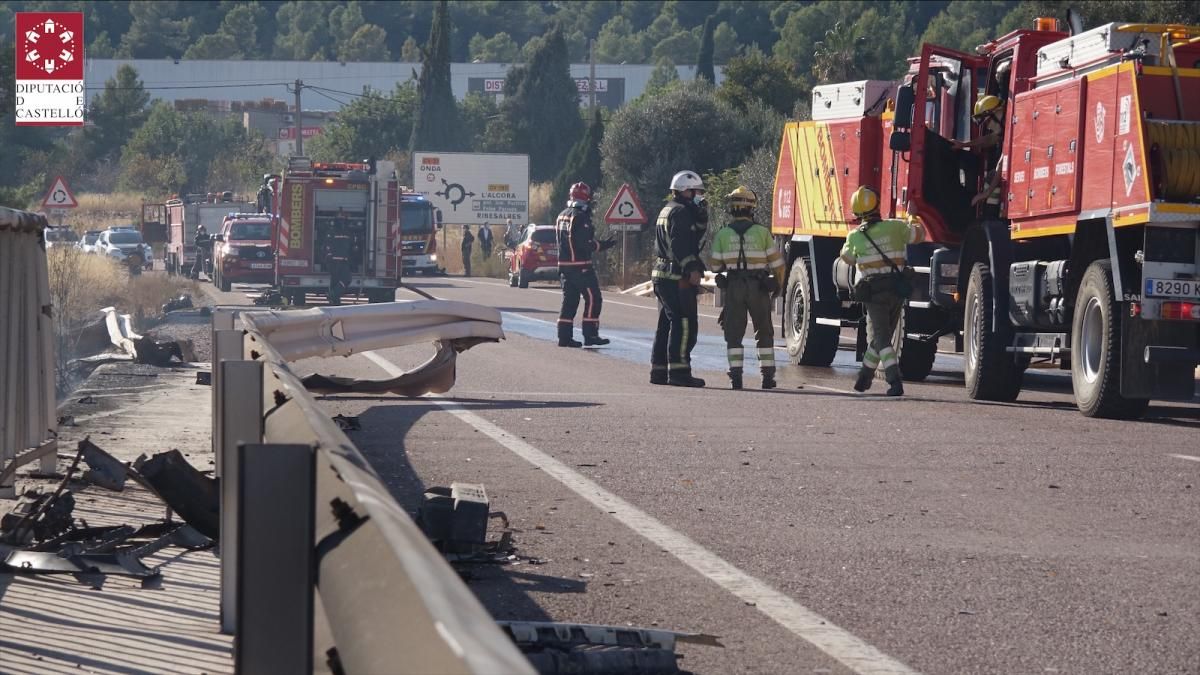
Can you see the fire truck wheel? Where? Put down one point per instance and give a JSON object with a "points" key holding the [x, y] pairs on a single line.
{"points": [[808, 342], [991, 373], [522, 278], [223, 283], [1096, 349]]}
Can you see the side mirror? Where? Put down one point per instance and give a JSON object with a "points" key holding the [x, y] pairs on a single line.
{"points": [[904, 107], [437, 216], [218, 237], [900, 141]]}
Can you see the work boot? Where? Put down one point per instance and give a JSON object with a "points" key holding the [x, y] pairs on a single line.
{"points": [[591, 338], [735, 378], [896, 383], [768, 375], [658, 375], [683, 378], [865, 378], [566, 337]]}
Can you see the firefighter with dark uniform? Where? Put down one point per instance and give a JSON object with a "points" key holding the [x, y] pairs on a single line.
{"points": [[203, 243], [339, 248], [750, 271], [576, 244], [877, 248], [679, 233]]}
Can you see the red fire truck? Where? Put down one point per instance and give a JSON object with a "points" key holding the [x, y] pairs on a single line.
{"points": [[382, 216], [1093, 262], [186, 214]]}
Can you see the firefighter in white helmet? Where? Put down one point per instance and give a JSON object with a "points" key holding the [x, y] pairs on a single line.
{"points": [[679, 233], [750, 271], [877, 248]]}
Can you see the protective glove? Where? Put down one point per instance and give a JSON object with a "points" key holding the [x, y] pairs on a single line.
{"points": [[722, 281], [607, 244]]}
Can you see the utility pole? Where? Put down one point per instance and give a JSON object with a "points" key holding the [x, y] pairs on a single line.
{"points": [[592, 77], [298, 123]]}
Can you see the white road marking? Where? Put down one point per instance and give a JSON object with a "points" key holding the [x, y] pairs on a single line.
{"points": [[1187, 457], [837, 642]]}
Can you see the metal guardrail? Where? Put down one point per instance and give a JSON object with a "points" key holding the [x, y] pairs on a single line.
{"points": [[28, 417], [302, 510]]}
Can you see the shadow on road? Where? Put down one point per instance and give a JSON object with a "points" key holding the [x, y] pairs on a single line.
{"points": [[383, 439]]}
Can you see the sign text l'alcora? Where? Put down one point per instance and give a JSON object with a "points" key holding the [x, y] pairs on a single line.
{"points": [[50, 69]]}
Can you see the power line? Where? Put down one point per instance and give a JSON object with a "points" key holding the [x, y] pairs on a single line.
{"points": [[338, 91], [321, 93]]}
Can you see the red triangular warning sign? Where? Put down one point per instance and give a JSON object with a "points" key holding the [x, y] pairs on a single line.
{"points": [[625, 208], [59, 196]]}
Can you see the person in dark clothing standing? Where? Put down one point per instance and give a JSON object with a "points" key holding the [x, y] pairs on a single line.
{"points": [[467, 240], [203, 243], [485, 241], [678, 269], [576, 244], [339, 247]]}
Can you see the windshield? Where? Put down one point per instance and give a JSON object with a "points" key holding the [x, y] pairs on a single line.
{"points": [[546, 236], [416, 218], [245, 231], [124, 238], [90, 238], [61, 235]]}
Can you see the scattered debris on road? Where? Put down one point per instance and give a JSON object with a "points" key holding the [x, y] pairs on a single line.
{"points": [[347, 422], [188, 492], [585, 648]]}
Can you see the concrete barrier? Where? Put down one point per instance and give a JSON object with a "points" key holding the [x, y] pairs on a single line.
{"points": [[28, 422]]}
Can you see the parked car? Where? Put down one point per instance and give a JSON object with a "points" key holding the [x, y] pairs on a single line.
{"points": [[87, 243], [242, 251], [119, 242], [536, 256], [60, 236]]}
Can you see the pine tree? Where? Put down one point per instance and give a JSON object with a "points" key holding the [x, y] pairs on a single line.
{"points": [[583, 164], [704, 60], [540, 112], [116, 114], [436, 126]]}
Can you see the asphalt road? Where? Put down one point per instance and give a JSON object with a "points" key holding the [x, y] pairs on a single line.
{"points": [[810, 528]]}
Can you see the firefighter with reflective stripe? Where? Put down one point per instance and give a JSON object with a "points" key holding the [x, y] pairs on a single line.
{"points": [[989, 114], [679, 233], [877, 248], [750, 271], [576, 244], [339, 247]]}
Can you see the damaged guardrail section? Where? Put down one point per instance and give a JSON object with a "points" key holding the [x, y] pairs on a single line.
{"points": [[301, 510], [27, 409]]}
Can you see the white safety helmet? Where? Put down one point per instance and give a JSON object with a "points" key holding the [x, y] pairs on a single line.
{"points": [[686, 180]]}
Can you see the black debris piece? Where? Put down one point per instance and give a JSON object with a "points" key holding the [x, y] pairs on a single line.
{"points": [[103, 469], [191, 494], [183, 301], [151, 352], [347, 423], [204, 377]]}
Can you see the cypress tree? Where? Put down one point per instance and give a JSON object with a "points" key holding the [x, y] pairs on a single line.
{"points": [[541, 107], [583, 164], [436, 125], [704, 60]]}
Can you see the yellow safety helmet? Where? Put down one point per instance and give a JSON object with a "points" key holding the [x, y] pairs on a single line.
{"points": [[864, 201], [986, 105], [742, 199]]}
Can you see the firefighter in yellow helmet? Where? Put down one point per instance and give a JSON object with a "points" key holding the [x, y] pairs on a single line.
{"points": [[750, 271], [877, 248], [989, 114]]}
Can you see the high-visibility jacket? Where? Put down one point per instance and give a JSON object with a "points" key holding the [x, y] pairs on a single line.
{"points": [[743, 245], [892, 237]]}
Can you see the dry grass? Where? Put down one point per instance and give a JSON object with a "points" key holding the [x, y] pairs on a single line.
{"points": [[101, 211], [450, 253], [81, 284]]}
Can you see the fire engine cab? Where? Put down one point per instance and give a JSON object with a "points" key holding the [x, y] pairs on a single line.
{"points": [[311, 198], [1085, 256]]}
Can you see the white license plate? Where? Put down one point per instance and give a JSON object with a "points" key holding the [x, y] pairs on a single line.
{"points": [[261, 266], [1173, 288]]}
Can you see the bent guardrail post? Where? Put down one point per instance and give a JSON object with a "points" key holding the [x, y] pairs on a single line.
{"points": [[386, 601], [275, 559], [222, 320], [241, 422]]}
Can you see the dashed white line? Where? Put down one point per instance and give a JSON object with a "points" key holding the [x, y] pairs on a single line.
{"points": [[837, 642], [1187, 457]]}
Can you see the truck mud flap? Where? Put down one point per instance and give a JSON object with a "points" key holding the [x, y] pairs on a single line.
{"points": [[1161, 380]]}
